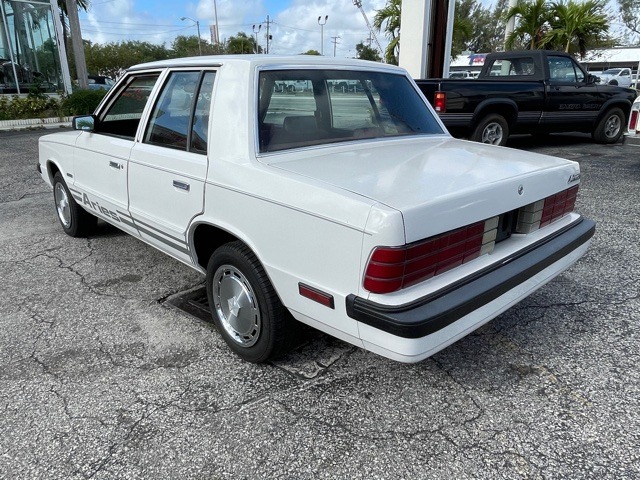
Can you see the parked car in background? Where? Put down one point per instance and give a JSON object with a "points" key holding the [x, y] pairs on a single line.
{"points": [[100, 82], [467, 75], [531, 91], [616, 76], [354, 212]]}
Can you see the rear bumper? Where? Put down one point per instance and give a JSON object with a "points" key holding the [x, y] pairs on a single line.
{"points": [[416, 330]]}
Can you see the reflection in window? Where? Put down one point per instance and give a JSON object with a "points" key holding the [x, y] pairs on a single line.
{"points": [[563, 69], [299, 108], [124, 115], [169, 124]]}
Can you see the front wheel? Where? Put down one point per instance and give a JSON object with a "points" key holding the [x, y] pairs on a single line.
{"points": [[492, 129], [610, 127], [75, 221], [245, 307]]}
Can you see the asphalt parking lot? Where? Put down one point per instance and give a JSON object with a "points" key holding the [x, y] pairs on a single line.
{"points": [[101, 378]]}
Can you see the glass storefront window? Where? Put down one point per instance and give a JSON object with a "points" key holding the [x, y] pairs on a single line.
{"points": [[29, 54]]}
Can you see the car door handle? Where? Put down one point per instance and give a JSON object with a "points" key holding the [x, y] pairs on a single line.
{"points": [[115, 165], [181, 185]]}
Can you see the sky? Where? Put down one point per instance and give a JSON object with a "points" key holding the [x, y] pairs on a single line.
{"points": [[294, 26]]}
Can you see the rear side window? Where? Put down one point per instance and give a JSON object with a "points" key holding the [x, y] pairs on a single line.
{"points": [[513, 67], [299, 108], [180, 118]]}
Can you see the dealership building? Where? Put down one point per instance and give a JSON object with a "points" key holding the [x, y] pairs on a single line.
{"points": [[30, 51]]}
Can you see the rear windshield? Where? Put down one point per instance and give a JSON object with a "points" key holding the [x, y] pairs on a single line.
{"points": [[299, 108]]}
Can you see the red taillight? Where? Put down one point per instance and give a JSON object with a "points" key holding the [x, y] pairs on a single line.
{"points": [[392, 268], [558, 205], [440, 102], [633, 122], [541, 213]]}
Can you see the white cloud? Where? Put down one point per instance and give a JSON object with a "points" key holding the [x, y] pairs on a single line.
{"points": [[294, 29]]}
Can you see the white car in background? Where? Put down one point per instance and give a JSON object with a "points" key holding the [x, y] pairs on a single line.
{"points": [[616, 76]]}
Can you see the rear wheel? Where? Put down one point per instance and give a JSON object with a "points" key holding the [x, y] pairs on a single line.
{"points": [[75, 221], [610, 127], [492, 129], [244, 305]]}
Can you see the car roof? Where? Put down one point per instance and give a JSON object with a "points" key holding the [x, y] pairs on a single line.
{"points": [[264, 60]]}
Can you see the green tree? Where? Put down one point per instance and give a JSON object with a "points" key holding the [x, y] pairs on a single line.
{"points": [[242, 43], [365, 52], [112, 59], [577, 26], [463, 25], [488, 26], [311, 52], [630, 14], [531, 24], [389, 18], [183, 46]]}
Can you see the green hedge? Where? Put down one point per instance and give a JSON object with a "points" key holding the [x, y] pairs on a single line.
{"points": [[39, 105]]}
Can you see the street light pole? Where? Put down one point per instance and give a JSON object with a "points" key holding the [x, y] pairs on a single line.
{"points": [[256, 32], [326, 17], [198, 28]]}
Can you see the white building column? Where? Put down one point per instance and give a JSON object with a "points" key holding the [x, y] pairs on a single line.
{"points": [[415, 31], [62, 51]]}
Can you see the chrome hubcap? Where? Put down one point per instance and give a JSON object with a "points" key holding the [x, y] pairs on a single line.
{"points": [[492, 133], [62, 205], [236, 305], [612, 127]]}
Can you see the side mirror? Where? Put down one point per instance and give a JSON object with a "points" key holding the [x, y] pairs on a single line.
{"points": [[86, 123], [591, 79]]}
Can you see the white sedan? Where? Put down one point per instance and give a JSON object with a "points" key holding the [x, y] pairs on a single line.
{"points": [[349, 209]]}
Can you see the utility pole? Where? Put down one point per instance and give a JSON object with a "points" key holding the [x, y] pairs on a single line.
{"points": [[326, 17], [198, 29], [215, 14], [268, 36], [334, 40], [76, 43]]}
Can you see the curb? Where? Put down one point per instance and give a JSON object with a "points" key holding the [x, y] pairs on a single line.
{"points": [[32, 123]]}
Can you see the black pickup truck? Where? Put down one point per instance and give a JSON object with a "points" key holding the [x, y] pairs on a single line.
{"points": [[533, 91]]}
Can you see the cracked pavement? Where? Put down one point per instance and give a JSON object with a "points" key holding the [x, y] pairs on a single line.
{"points": [[100, 379]]}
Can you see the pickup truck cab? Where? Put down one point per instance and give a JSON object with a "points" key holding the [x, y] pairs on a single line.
{"points": [[533, 91], [352, 211]]}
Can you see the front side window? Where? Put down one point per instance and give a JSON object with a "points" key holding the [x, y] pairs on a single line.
{"points": [[563, 69], [299, 108], [123, 115]]}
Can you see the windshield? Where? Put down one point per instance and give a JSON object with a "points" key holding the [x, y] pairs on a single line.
{"points": [[299, 108], [612, 71]]}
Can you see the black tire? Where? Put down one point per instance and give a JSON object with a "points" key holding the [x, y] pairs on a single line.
{"points": [[75, 220], [610, 127], [259, 328], [614, 83], [492, 129]]}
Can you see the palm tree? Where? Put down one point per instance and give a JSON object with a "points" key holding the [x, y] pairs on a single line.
{"points": [[532, 23], [575, 25], [389, 16]]}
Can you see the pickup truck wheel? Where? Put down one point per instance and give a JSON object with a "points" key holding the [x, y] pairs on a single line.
{"points": [[244, 305], [610, 127], [492, 129], [614, 83], [75, 221]]}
